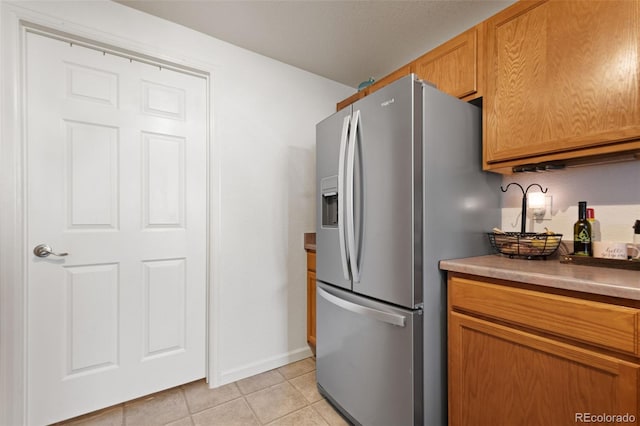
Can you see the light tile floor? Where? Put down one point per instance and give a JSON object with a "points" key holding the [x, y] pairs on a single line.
{"points": [[286, 396]]}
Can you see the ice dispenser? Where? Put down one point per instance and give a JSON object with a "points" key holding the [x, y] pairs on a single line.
{"points": [[329, 190]]}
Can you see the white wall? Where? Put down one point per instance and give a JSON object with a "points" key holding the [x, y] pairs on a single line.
{"points": [[263, 135], [613, 190]]}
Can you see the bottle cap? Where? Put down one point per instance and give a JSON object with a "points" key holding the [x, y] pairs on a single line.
{"points": [[636, 227], [590, 214]]}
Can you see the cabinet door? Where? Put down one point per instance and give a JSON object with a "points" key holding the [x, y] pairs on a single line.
{"points": [[503, 376], [453, 66], [562, 76], [384, 81], [388, 79], [311, 310], [351, 99]]}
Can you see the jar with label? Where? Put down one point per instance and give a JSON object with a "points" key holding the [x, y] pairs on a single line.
{"points": [[636, 237], [595, 225]]}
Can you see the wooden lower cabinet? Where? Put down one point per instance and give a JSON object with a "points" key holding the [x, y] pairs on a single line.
{"points": [[311, 310], [311, 300], [507, 374]]}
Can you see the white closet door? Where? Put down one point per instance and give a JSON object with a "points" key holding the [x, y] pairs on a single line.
{"points": [[116, 178]]}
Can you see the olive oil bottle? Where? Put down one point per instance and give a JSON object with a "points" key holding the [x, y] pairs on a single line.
{"points": [[582, 233]]}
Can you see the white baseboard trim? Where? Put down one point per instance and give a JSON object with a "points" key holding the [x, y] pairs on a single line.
{"points": [[261, 366]]}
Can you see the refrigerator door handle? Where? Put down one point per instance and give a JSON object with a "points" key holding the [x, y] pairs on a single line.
{"points": [[389, 318], [351, 232], [341, 197]]}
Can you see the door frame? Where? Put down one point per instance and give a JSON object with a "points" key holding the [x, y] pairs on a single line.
{"points": [[15, 22]]}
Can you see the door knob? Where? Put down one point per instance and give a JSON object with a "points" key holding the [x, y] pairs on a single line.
{"points": [[43, 250]]}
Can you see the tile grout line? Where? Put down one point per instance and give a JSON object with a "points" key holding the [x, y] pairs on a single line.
{"points": [[269, 387], [186, 402], [288, 381], [286, 414], [255, 415]]}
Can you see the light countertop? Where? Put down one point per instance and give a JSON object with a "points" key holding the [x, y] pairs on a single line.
{"points": [[551, 273]]}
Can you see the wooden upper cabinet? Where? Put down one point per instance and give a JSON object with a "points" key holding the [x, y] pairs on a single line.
{"points": [[400, 72], [454, 66], [562, 81], [351, 99]]}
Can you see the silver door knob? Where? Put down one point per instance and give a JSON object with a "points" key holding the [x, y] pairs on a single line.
{"points": [[43, 250]]}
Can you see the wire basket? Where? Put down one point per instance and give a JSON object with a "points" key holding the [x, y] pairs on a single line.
{"points": [[529, 245]]}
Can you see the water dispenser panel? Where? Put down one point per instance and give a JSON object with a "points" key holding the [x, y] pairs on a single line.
{"points": [[329, 191]]}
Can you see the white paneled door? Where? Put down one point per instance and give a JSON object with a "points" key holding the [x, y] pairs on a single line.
{"points": [[116, 177]]}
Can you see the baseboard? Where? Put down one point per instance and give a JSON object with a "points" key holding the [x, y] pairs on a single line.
{"points": [[264, 365]]}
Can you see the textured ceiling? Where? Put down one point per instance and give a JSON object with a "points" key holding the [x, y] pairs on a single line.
{"points": [[345, 41]]}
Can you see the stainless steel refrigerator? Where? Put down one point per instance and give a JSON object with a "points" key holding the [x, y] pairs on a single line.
{"points": [[399, 187]]}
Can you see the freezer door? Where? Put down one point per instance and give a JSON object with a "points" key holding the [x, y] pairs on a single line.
{"points": [[388, 194], [331, 251], [369, 358]]}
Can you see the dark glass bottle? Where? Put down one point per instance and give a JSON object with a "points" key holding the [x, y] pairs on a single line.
{"points": [[582, 232]]}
